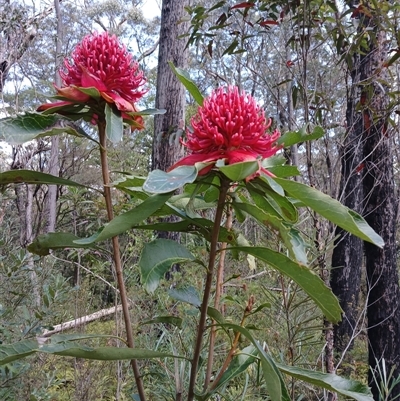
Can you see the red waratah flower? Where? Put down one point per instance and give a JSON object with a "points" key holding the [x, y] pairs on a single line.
{"points": [[230, 126], [100, 62]]}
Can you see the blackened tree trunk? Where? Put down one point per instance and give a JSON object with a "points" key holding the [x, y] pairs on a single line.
{"points": [[170, 94], [347, 256], [367, 155], [381, 211]]}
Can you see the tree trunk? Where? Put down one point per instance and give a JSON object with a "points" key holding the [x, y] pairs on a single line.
{"points": [[382, 202], [51, 204], [368, 156], [347, 256], [29, 238], [170, 94]]}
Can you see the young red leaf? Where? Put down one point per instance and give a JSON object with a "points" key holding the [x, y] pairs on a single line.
{"points": [[246, 4]]}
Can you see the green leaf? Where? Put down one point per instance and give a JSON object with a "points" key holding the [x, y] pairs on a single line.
{"points": [[289, 235], [190, 203], [215, 314], [231, 48], [130, 183], [172, 320], [45, 242], [157, 258], [13, 352], [271, 202], [273, 379], [188, 295], [160, 182], [311, 283], [196, 226], [274, 186], [28, 126], [292, 137], [90, 91], [189, 84], [242, 241], [128, 220], [261, 307], [284, 171], [238, 365], [240, 171], [148, 112], [332, 210], [107, 353], [34, 177], [114, 124], [212, 192], [331, 382]]}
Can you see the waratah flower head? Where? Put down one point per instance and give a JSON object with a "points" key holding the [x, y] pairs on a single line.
{"points": [[229, 125], [100, 61]]}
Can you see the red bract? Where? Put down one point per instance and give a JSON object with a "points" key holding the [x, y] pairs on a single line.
{"points": [[100, 62], [230, 126]]}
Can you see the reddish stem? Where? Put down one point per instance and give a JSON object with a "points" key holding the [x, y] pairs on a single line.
{"points": [[207, 289], [217, 299], [117, 257]]}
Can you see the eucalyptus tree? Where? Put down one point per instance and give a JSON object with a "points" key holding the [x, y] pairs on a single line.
{"points": [[371, 109], [170, 93], [361, 40]]}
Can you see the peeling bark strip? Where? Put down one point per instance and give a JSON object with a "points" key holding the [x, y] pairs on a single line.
{"points": [[73, 324]]}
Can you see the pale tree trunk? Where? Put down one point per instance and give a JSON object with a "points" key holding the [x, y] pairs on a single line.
{"points": [[170, 93], [22, 159], [51, 204], [28, 240]]}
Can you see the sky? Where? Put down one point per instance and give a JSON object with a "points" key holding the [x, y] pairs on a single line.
{"points": [[151, 8]]}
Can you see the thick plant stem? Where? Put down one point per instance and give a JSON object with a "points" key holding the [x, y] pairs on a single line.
{"points": [[217, 299], [117, 257], [208, 285]]}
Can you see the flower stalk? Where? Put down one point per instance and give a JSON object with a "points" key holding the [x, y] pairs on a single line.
{"points": [[117, 257], [224, 188], [218, 292]]}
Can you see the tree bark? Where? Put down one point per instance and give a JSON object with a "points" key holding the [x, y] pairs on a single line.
{"points": [[368, 157], [51, 204], [73, 324], [347, 257], [170, 94], [29, 239], [382, 203]]}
